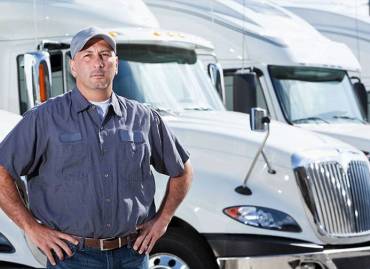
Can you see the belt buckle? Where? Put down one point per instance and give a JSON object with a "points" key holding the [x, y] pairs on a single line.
{"points": [[101, 242]]}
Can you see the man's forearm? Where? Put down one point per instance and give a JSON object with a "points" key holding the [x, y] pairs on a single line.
{"points": [[176, 191], [11, 202]]}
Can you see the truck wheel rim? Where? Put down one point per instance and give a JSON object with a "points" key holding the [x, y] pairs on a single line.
{"points": [[166, 261]]}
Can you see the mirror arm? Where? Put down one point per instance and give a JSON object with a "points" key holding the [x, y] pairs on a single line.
{"points": [[256, 157], [243, 189], [270, 170]]}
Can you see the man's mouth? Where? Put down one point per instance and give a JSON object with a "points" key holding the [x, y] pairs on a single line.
{"points": [[97, 75]]}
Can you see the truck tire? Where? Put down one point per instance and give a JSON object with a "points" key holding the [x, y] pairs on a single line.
{"points": [[181, 249]]}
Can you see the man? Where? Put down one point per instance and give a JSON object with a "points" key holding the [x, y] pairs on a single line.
{"points": [[87, 157]]}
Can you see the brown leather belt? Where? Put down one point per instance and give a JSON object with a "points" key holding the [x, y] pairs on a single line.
{"points": [[109, 243]]}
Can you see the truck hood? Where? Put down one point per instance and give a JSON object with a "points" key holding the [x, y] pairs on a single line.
{"points": [[7, 122], [357, 135], [228, 134]]}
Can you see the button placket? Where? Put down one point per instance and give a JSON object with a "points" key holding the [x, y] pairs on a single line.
{"points": [[105, 175]]}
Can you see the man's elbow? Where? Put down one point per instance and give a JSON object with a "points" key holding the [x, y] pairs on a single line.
{"points": [[188, 171]]}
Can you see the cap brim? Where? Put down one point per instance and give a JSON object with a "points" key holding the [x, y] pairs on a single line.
{"points": [[105, 37]]}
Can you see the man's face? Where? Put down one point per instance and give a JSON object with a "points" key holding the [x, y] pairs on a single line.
{"points": [[95, 66]]}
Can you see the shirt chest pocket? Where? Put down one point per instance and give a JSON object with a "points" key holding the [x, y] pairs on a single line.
{"points": [[132, 153], [72, 155]]}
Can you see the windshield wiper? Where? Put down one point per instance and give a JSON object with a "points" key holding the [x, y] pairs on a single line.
{"points": [[309, 119], [160, 109], [349, 118], [198, 108]]}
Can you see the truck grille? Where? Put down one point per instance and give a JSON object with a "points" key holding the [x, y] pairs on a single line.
{"points": [[337, 196]]}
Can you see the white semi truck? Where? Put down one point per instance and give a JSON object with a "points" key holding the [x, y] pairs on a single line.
{"points": [[303, 78], [295, 200]]}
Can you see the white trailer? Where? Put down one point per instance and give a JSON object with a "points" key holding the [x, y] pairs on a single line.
{"points": [[291, 201], [304, 78]]}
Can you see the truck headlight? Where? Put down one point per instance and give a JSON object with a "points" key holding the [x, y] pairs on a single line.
{"points": [[367, 154], [263, 217]]}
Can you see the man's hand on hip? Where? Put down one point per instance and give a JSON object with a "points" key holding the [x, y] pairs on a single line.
{"points": [[44, 238], [150, 232], [49, 240]]}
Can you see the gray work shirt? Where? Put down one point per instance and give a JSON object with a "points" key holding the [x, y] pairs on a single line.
{"points": [[86, 176]]}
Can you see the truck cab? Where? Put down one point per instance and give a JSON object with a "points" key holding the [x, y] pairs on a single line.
{"points": [[303, 78]]}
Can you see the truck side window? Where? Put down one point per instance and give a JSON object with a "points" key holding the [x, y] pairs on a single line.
{"points": [[368, 106], [22, 89], [56, 61], [70, 80], [229, 94]]}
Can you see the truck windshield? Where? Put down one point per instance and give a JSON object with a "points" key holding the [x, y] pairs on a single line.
{"points": [[309, 95], [166, 78]]}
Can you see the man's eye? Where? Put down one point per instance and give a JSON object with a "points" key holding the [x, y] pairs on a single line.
{"points": [[106, 54]]}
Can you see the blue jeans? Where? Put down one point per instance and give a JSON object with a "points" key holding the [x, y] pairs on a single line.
{"points": [[88, 258]]}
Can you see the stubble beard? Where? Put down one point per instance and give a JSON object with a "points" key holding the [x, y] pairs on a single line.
{"points": [[99, 86]]}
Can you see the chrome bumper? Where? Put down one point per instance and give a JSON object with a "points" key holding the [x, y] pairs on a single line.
{"points": [[326, 259]]}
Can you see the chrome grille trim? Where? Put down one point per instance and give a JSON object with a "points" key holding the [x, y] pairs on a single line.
{"points": [[336, 192], [361, 203]]}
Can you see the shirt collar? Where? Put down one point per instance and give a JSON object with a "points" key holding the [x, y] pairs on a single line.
{"points": [[116, 104], [80, 103]]}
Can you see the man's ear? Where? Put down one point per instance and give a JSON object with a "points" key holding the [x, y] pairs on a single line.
{"points": [[116, 65], [72, 64]]}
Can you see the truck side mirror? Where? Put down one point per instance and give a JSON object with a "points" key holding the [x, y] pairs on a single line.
{"points": [[258, 119], [245, 91], [37, 71], [361, 93], [217, 78]]}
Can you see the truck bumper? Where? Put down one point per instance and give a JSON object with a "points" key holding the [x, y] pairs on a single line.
{"points": [[328, 259], [264, 252]]}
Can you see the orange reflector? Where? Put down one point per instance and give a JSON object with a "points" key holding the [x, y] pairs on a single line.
{"points": [[232, 212], [43, 95]]}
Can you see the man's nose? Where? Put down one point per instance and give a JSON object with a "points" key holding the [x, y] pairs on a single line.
{"points": [[98, 61]]}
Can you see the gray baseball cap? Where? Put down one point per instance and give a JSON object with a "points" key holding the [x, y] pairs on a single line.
{"points": [[82, 37]]}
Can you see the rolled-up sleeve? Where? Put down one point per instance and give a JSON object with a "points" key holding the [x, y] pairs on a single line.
{"points": [[21, 149], [168, 156]]}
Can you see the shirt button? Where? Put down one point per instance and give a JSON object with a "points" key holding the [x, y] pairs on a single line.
{"points": [[108, 225], [106, 175], [108, 200], [101, 128]]}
